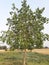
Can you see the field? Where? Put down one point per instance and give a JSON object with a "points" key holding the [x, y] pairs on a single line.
{"points": [[33, 58], [43, 51]]}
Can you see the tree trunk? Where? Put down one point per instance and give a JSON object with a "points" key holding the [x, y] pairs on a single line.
{"points": [[24, 57]]}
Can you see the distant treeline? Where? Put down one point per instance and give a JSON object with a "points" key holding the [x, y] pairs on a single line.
{"points": [[3, 47]]}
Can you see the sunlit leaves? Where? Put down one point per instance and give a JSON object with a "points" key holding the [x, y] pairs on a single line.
{"points": [[25, 27]]}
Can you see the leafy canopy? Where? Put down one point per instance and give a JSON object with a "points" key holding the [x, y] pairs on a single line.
{"points": [[25, 28]]}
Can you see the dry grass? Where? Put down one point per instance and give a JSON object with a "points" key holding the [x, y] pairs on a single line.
{"points": [[43, 51]]}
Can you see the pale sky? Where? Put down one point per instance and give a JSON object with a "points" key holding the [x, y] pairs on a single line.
{"points": [[5, 8]]}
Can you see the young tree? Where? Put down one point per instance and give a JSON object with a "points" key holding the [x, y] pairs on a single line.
{"points": [[25, 28]]}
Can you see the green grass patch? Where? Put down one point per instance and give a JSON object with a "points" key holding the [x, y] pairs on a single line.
{"points": [[16, 58]]}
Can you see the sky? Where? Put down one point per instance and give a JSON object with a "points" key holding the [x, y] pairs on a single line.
{"points": [[6, 5]]}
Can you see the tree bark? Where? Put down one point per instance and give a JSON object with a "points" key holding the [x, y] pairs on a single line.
{"points": [[24, 57]]}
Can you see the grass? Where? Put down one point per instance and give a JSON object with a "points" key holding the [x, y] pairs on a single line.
{"points": [[43, 51], [16, 58]]}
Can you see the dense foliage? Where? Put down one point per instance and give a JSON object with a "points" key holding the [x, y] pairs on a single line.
{"points": [[25, 28]]}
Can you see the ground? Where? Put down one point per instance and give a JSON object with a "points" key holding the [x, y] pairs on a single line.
{"points": [[36, 57], [42, 51]]}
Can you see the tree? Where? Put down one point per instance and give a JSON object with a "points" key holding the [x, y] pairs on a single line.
{"points": [[25, 28]]}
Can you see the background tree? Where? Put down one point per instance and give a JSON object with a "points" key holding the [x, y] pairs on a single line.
{"points": [[25, 28]]}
